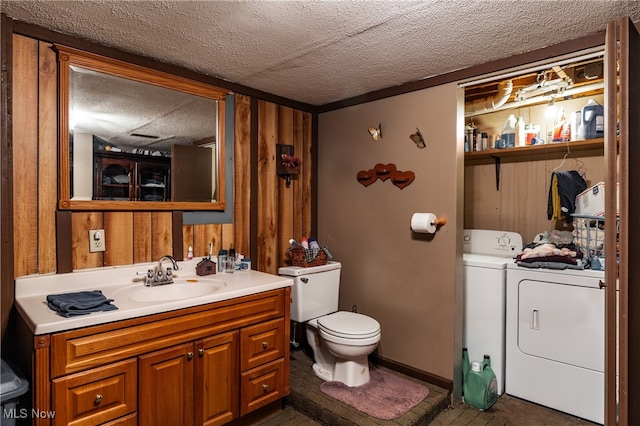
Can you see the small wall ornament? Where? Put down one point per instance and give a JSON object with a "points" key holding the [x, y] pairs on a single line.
{"points": [[376, 132], [289, 165], [418, 139]]}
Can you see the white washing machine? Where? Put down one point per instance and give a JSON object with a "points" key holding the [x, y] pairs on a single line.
{"points": [[555, 339], [485, 257]]}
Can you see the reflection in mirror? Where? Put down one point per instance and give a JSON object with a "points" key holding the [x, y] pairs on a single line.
{"points": [[122, 125]]}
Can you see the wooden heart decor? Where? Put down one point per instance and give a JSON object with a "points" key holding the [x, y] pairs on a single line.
{"points": [[384, 172], [402, 179], [366, 177]]}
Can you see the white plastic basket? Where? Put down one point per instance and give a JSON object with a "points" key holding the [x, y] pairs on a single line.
{"points": [[588, 235]]}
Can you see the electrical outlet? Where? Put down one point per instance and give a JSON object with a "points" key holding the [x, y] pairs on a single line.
{"points": [[96, 240]]}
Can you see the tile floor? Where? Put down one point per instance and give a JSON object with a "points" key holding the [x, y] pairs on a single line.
{"points": [[307, 405]]}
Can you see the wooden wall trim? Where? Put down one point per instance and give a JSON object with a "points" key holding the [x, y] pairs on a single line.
{"points": [[7, 290], [176, 229], [44, 34], [413, 372], [593, 40], [254, 183], [314, 174], [242, 175], [64, 244]]}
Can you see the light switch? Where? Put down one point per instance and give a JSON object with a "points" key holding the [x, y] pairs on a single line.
{"points": [[96, 240]]}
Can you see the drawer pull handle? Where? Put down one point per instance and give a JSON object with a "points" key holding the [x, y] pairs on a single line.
{"points": [[189, 356], [602, 284], [98, 399], [265, 345], [265, 388], [201, 352]]}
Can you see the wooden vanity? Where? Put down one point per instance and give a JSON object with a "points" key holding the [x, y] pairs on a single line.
{"points": [[207, 364]]}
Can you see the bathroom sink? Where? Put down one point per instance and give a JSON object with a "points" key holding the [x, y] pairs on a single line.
{"points": [[181, 288]]}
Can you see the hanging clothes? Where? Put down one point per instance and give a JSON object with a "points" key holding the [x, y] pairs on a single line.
{"points": [[564, 188]]}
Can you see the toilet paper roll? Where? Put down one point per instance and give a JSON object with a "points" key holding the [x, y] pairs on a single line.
{"points": [[423, 223]]}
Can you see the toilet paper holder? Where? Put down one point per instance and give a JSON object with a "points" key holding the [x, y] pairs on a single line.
{"points": [[427, 222]]}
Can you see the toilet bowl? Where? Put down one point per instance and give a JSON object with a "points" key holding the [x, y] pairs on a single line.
{"points": [[341, 343]]}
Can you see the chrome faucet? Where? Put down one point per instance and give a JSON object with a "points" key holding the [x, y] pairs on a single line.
{"points": [[159, 275]]}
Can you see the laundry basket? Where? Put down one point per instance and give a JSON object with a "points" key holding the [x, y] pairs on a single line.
{"points": [[588, 235]]}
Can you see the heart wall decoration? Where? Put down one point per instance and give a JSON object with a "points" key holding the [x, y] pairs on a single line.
{"points": [[386, 172], [402, 179]]}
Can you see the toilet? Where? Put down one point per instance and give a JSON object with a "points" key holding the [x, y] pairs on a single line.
{"points": [[341, 341]]}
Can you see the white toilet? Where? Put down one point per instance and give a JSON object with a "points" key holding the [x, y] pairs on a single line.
{"points": [[341, 341]]}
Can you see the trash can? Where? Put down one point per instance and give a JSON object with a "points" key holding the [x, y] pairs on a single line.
{"points": [[12, 386]]}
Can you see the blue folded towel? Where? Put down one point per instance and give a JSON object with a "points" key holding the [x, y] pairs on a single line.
{"points": [[79, 303]]}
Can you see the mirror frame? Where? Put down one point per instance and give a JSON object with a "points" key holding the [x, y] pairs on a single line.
{"points": [[68, 57]]}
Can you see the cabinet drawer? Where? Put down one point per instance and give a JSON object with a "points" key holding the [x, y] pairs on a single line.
{"points": [[130, 420], [261, 386], [96, 396], [261, 343]]}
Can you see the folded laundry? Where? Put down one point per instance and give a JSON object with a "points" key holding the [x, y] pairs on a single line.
{"points": [[79, 303], [543, 254], [550, 265]]}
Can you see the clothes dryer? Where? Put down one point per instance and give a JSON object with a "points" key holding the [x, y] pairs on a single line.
{"points": [[485, 256], [555, 339]]}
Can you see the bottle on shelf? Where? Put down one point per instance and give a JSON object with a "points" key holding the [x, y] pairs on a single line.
{"points": [[562, 128], [592, 123], [509, 132], [520, 132]]}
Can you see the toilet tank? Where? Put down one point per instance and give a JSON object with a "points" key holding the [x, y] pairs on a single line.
{"points": [[315, 290]]}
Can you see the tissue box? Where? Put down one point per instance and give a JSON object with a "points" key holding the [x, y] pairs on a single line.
{"points": [[591, 201]]}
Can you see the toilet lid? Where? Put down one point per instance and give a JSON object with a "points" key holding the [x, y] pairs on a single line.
{"points": [[349, 325]]}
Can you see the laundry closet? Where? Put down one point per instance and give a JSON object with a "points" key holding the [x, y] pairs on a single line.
{"points": [[521, 128]]}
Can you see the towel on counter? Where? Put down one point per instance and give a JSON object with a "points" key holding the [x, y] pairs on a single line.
{"points": [[563, 190], [79, 303]]}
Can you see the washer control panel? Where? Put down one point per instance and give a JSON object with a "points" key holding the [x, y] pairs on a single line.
{"points": [[491, 243]]}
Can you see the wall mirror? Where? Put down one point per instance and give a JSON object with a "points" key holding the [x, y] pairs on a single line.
{"points": [[134, 138]]}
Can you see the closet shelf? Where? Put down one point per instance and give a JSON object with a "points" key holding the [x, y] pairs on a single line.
{"points": [[589, 147]]}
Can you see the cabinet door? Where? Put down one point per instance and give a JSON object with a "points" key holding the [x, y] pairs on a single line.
{"points": [[113, 179], [152, 181], [217, 373], [166, 387]]}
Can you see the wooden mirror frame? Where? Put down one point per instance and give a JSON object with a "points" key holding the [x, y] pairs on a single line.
{"points": [[68, 57]]}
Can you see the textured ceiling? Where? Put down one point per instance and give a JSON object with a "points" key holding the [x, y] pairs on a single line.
{"points": [[319, 52]]}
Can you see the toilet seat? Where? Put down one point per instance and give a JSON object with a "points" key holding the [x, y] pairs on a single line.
{"points": [[348, 325]]}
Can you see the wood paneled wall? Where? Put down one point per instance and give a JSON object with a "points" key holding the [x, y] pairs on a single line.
{"points": [[284, 211], [520, 204], [133, 237]]}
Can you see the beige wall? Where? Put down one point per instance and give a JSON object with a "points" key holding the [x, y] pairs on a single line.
{"points": [[407, 281]]}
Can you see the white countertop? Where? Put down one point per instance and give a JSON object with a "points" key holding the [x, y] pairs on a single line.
{"points": [[118, 283]]}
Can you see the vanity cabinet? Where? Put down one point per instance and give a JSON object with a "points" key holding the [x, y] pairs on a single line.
{"points": [[204, 365], [131, 177]]}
